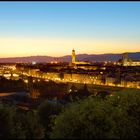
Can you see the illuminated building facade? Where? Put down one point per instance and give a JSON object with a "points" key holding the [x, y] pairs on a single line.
{"points": [[126, 61], [74, 62], [73, 56]]}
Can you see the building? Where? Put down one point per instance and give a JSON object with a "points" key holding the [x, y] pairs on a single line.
{"points": [[73, 56], [126, 61], [74, 62]]}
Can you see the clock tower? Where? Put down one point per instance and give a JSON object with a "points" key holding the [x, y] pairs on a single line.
{"points": [[73, 56]]}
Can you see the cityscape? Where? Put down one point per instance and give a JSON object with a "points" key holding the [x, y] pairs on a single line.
{"points": [[66, 73]]}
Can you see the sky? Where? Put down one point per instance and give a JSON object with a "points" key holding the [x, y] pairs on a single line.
{"points": [[55, 28]]}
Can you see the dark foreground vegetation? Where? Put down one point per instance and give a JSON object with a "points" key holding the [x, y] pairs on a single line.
{"points": [[8, 85], [110, 116]]}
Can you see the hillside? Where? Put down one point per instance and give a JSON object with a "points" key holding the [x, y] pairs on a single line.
{"points": [[67, 58]]}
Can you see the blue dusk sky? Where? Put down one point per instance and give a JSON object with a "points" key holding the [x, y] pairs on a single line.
{"points": [[55, 28]]}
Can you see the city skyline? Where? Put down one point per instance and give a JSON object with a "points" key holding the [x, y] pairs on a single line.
{"points": [[55, 28]]}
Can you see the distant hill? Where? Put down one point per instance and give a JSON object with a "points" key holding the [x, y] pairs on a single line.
{"points": [[67, 58], [111, 57], [27, 59]]}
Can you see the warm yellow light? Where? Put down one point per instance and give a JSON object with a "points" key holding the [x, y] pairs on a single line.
{"points": [[11, 47], [26, 81]]}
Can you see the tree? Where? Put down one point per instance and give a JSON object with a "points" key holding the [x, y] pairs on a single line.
{"points": [[30, 125], [82, 120], [128, 126], [6, 116], [116, 117], [103, 94], [46, 110], [17, 124], [34, 93], [75, 94]]}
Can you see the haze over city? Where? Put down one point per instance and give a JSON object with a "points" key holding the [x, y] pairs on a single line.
{"points": [[55, 28]]}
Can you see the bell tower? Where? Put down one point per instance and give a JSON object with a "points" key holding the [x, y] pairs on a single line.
{"points": [[73, 56], [125, 59]]}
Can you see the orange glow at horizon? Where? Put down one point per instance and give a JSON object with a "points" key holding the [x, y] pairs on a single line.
{"points": [[19, 47]]}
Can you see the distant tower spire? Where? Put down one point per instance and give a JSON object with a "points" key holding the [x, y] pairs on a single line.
{"points": [[125, 57], [73, 56]]}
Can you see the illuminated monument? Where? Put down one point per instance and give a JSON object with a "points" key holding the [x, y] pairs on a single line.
{"points": [[126, 61], [74, 62], [73, 56]]}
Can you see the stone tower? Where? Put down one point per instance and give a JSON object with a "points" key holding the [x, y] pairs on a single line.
{"points": [[126, 61], [73, 56], [125, 57]]}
